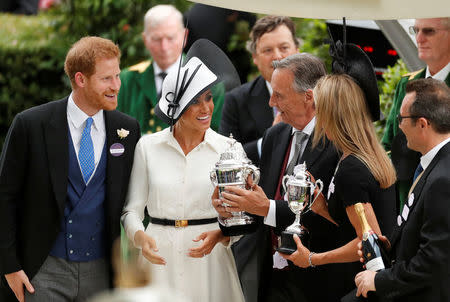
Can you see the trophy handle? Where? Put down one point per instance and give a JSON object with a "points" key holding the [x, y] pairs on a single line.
{"points": [[284, 181], [254, 171], [319, 184], [213, 177]]}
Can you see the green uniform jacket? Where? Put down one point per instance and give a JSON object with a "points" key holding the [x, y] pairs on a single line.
{"points": [[138, 98], [404, 159], [391, 129]]}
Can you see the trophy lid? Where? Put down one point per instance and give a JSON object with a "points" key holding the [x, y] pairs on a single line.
{"points": [[300, 177], [234, 156]]}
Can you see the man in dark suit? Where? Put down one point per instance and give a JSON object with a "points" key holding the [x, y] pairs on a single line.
{"points": [[246, 112], [420, 243], [433, 45], [63, 179], [264, 274]]}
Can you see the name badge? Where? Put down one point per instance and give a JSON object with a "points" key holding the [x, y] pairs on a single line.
{"points": [[117, 149], [405, 212], [411, 199]]}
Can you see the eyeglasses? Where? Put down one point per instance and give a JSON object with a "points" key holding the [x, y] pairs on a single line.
{"points": [[426, 31], [400, 117]]}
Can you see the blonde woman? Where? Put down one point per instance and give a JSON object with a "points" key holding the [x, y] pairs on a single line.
{"points": [[364, 174]]}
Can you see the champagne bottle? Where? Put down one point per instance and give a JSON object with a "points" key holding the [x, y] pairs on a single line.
{"points": [[370, 248]]}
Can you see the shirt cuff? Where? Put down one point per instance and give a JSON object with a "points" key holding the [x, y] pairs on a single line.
{"points": [[271, 219], [258, 145]]}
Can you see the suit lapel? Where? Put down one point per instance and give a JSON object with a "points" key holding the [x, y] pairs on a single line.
{"points": [[258, 105], [56, 134], [114, 166], [281, 143], [310, 156]]}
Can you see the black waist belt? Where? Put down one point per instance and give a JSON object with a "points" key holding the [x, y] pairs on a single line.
{"points": [[182, 223]]}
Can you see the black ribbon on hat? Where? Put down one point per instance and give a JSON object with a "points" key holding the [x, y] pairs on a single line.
{"points": [[175, 103]]}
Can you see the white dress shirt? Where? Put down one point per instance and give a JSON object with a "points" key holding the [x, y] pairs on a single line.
{"points": [[76, 119], [440, 75], [426, 159]]}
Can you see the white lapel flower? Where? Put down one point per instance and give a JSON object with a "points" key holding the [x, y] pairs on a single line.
{"points": [[122, 133]]}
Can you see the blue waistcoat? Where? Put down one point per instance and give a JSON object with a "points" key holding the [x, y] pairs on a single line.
{"points": [[82, 234]]}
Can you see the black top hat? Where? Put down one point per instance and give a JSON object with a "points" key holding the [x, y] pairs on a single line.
{"points": [[354, 62]]}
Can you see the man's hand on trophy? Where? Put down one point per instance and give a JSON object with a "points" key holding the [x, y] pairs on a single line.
{"points": [[149, 248], [301, 256], [253, 201]]}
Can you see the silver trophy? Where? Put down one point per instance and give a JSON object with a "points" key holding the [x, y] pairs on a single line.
{"points": [[300, 195], [233, 169]]}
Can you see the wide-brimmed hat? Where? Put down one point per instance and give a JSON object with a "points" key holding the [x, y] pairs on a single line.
{"points": [[205, 65], [353, 61]]}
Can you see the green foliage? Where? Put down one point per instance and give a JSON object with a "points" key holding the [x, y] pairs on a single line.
{"points": [[313, 33], [31, 65], [387, 87]]}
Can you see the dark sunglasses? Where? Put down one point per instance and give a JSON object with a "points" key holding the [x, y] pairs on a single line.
{"points": [[427, 31], [400, 118]]}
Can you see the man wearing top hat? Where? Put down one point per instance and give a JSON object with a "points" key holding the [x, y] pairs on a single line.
{"points": [[163, 37], [64, 174], [420, 242], [433, 41]]}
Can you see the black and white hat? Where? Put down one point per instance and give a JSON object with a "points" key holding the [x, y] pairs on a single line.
{"points": [[349, 59], [205, 66]]}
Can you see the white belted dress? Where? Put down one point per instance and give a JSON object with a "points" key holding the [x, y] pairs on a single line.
{"points": [[176, 186]]}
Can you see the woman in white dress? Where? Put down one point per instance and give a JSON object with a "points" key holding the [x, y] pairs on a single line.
{"points": [[170, 177]]}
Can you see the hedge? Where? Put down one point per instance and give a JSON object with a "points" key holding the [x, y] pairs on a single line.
{"points": [[31, 65]]}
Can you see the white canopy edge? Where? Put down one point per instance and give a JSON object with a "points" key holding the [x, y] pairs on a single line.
{"points": [[334, 9]]}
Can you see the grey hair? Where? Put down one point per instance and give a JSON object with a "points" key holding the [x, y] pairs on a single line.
{"points": [[160, 13], [307, 70]]}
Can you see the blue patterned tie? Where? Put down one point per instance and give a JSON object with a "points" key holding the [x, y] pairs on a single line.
{"points": [[86, 153], [419, 170]]}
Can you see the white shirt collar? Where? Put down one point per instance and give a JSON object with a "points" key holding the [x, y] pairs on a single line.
{"points": [[210, 139], [172, 67], [427, 158], [441, 74], [309, 128], [269, 88], [77, 117]]}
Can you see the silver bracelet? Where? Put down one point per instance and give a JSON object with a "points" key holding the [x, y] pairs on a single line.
{"points": [[309, 259]]}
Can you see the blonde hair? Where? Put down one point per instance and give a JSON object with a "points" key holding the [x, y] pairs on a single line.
{"points": [[84, 54], [342, 113]]}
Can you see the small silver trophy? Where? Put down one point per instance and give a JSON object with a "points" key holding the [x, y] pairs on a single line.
{"points": [[232, 169], [300, 195]]}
